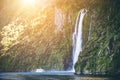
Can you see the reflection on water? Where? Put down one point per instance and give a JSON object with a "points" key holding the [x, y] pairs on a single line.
{"points": [[37, 76]]}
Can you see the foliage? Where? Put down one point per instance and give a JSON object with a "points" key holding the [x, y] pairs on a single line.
{"points": [[101, 52], [29, 39]]}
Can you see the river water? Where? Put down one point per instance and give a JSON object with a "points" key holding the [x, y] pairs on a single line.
{"points": [[50, 76]]}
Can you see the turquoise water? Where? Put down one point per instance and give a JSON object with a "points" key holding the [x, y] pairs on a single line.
{"points": [[48, 76]]}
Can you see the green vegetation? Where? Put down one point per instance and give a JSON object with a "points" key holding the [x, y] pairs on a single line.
{"points": [[29, 38], [101, 52]]}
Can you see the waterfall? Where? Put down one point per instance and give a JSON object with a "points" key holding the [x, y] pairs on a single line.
{"points": [[77, 44], [90, 28], [59, 19], [77, 38]]}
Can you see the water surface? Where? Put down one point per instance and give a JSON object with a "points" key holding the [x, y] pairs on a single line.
{"points": [[48, 76]]}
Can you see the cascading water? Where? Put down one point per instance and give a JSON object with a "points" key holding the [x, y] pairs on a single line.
{"points": [[77, 38], [90, 28], [77, 45]]}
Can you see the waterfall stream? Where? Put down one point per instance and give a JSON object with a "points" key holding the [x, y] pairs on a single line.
{"points": [[77, 43], [77, 38], [90, 28]]}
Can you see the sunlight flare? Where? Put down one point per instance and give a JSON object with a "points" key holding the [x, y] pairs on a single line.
{"points": [[28, 2]]}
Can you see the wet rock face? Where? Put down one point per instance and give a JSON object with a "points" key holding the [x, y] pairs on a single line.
{"points": [[68, 63]]}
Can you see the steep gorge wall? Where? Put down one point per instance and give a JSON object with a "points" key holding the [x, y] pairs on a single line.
{"points": [[101, 52]]}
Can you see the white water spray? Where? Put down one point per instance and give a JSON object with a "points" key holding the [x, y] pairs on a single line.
{"points": [[77, 37]]}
